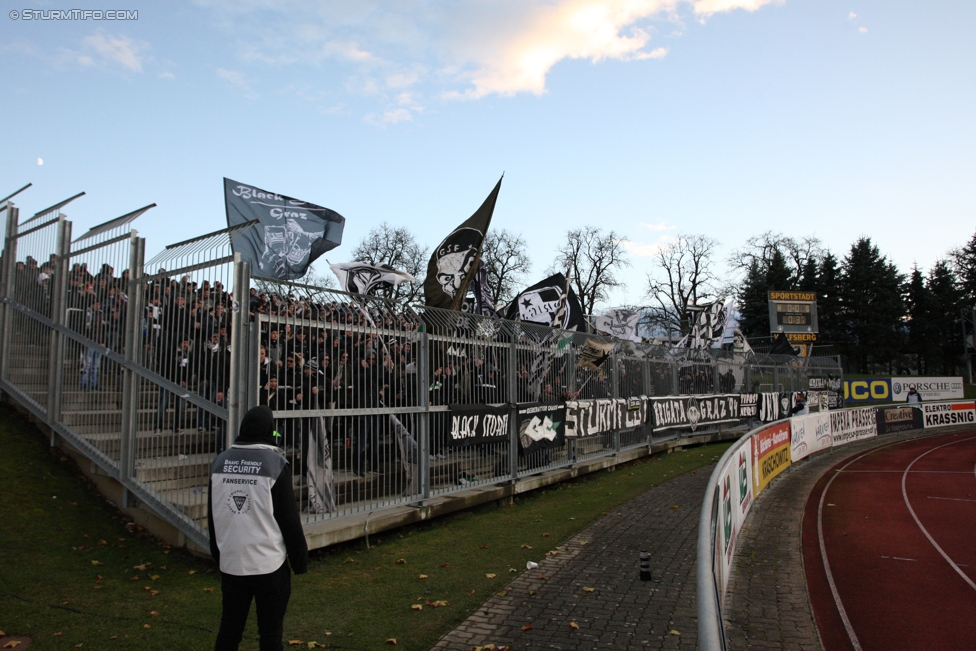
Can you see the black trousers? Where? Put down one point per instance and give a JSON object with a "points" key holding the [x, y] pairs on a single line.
{"points": [[270, 592]]}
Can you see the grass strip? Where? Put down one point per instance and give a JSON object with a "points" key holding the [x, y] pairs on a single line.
{"points": [[74, 571]]}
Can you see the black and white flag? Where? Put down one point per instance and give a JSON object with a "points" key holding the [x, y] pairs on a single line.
{"points": [[366, 278], [550, 302], [708, 328], [455, 259], [621, 324], [541, 426], [321, 499], [594, 353], [473, 424], [290, 234]]}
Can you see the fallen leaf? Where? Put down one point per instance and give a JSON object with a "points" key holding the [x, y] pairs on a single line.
{"points": [[423, 576], [527, 627], [471, 593], [446, 565], [154, 613], [350, 560], [135, 578], [489, 647], [193, 571], [401, 561], [513, 570], [526, 546], [153, 593], [98, 577], [58, 634], [208, 589], [11, 644], [141, 568], [102, 542], [99, 563], [543, 577], [584, 542], [392, 641], [574, 625], [502, 594], [673, 506], [674, 632], [545, 535], [312, 644], [146, 626], [295, 642], [484, 546], [531, 591], [490, 576], [417, 607], [589, 589], [154, 577]]}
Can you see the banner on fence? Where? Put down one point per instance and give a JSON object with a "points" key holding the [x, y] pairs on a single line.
{"points": [[541, 426], [898, 419], [478, 424], [847, 425], [930, 388], [774, 406], [632, 412], [809, 434], [321, 499], [591, 417], [770, 455], [749, 405], [694, 411], [946, 414]]}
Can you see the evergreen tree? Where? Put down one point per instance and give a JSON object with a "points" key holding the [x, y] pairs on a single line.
{"points": [[943, 285], [753, 303], [919, 304], [808, 277], [872, 308], [964, 261], [828, 302], [779, 276]]}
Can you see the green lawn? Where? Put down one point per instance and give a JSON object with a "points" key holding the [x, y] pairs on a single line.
{"points": [[72, 575]]}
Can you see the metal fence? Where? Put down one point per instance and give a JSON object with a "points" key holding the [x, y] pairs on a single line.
{"points": [[147, 368]]}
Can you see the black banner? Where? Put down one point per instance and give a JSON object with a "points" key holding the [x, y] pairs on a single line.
{"points": [[692, 412], [471, 424], [899, 419], [541, 426], [749, 406], [291, 233], [774, 406]]}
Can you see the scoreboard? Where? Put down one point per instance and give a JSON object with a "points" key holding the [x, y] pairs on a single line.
{"points": [[793, 312]]}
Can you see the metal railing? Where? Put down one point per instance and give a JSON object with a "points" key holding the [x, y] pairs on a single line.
{"points": [[146, 368]]}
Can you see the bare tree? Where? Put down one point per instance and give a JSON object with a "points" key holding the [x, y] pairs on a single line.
{"points": [[303, 287], [505, 256], [683, 276], [398, 248], [761, 249], [594, 259]]}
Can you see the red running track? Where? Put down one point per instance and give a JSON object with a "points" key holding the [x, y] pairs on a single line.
{"points": [[889, 547]]}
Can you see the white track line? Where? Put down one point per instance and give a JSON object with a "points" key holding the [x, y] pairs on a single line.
{"points": [[952, 499], [904, 493]]}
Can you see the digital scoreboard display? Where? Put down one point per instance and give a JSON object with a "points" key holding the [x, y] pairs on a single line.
{"points": [[792, 312]]}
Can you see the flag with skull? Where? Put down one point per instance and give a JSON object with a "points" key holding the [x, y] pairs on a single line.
{"points": [[455, 260], [290, 234]]}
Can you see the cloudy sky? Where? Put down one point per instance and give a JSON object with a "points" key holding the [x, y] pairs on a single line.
{"points": [[650, 117]]}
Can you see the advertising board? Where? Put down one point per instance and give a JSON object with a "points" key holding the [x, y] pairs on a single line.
{"points": [[770, 455], [930, 388], [848, 425], [893, 419], [867, 389], [809, 434], [949, 413]]}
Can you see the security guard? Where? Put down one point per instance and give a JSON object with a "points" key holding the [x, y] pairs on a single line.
{"points": [[254, 524]]}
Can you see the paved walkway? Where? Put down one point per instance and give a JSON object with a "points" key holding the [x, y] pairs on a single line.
{"points": [[540, 606]]}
